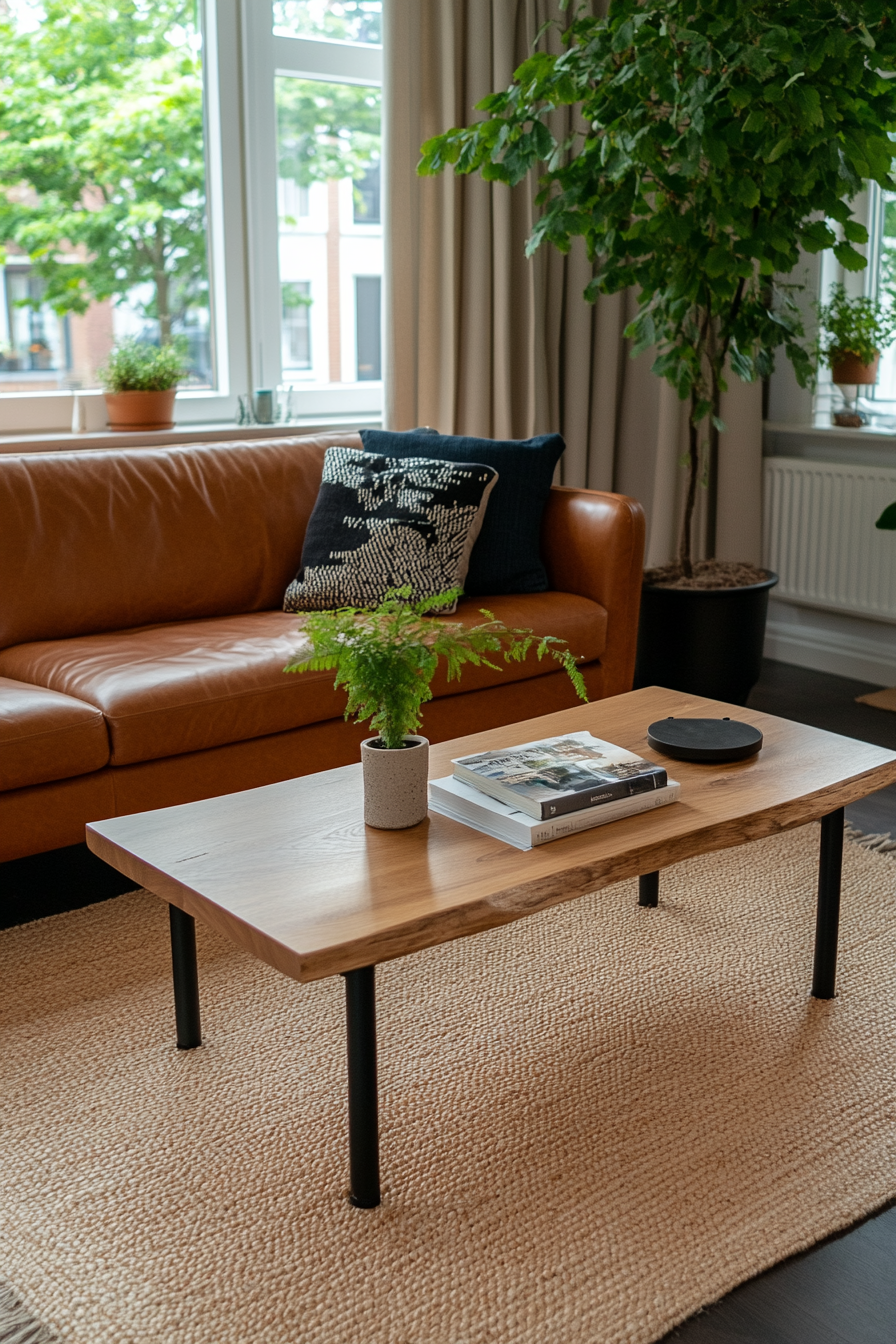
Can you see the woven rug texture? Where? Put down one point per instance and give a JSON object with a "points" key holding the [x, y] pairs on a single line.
{"points": [[593, 1121]]}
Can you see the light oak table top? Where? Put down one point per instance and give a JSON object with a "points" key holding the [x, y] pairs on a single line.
{"points": [[291, 873]]}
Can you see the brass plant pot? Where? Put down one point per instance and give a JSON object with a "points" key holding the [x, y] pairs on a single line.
{"points": [[141, 410], [848, 370]]}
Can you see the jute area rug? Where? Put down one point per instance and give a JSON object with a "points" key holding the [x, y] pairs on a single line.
{"points": [[593, 1121]]}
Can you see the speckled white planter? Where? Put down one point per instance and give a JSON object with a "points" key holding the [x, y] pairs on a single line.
{"points": [[395, 792]]}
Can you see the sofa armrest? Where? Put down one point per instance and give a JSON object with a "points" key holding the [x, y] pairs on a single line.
{"points": [[593, 545]]}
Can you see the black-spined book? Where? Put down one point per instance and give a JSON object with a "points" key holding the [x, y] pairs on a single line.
{"points": [[559, 774]]}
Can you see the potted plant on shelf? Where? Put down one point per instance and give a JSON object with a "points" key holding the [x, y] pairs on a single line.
{"points": [[852, 334], [386, 659], [140, 383], [710, 143]]}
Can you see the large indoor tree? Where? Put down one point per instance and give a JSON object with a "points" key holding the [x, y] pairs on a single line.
{"points": [[716, 138], [102, 173]]}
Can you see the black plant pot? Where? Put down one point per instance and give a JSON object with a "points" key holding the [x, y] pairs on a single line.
{"points": [[705, 641]]}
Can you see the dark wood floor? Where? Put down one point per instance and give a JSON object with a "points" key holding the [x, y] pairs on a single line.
{"points": [[843, 1291]]}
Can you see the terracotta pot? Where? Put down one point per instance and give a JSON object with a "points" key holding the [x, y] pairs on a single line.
{"points": [[395, 783], [847, 369], [141, 410]]}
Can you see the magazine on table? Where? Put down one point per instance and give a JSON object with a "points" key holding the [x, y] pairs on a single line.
{"points": [[560, 774], [461, 802]]}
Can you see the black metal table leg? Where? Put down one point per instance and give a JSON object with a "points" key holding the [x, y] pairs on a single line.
{"points": [[649, 890], [186, 978], [827, 921], [363, 1119]]}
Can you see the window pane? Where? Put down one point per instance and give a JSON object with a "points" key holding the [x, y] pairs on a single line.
{"points": [[366, 197], [368, 340], [885, 391], [296, 324], [102, 188], [331, 238], [338, 20]]}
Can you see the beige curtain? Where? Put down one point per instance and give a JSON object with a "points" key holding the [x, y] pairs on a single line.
{"points": [[480, 340]]}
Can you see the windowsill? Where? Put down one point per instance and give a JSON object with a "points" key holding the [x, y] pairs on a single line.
{"points": [[54, 441], [867, 446]]}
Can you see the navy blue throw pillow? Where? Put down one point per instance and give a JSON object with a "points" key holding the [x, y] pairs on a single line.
{"points": [[507, 554]]}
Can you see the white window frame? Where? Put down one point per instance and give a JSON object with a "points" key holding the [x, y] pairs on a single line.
{"points": [[269, 55], [865, 208], [241, 58]]}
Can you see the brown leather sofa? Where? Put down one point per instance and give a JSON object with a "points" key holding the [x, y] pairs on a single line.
{"points": [[142, 642]]}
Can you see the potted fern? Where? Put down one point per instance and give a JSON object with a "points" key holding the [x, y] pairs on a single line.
{"points": [[386, 659], [140, 383]]}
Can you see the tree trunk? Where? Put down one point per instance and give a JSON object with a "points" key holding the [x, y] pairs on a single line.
{"points": [[162, 308], [684, 551], [163, 296], [712, 471]]}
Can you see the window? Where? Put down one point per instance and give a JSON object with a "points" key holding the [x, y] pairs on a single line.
{"points": [[238, 224], [877, 403], [882, 284], [338, 20], [34, 343], [329, 229], [368, 341], [107, 236], [327, 135], [296, 326], [366, 196]]}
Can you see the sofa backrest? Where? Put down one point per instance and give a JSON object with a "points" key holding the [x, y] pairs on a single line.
{"points": [[105, 540]]}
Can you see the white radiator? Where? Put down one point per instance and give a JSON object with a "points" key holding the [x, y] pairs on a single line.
{"points": [[820, 539]]}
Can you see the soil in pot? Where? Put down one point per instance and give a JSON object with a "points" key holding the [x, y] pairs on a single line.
{"points": [[704, 635], [141, 410]]}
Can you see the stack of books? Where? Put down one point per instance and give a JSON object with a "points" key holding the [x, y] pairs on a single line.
{"points": [[543, 790]]}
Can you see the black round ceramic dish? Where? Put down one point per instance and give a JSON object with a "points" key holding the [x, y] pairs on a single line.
{"points": [[710, 740]]}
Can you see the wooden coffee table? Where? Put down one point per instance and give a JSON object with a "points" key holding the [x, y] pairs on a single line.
{"points": [[291, 873]]}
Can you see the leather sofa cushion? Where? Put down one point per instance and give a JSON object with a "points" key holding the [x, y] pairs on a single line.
{"points": [[170, 689], [121, 538], [46, 736]]}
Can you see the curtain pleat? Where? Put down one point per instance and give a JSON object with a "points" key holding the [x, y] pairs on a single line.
{"points": [[480, 340]]}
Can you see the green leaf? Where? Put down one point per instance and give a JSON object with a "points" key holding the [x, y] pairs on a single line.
{"points": [[849, 258], [777, 150], [748, 192], [887, 521], [816, 236], [756, 121], [855, 232], [718, 261], [622, 38]]}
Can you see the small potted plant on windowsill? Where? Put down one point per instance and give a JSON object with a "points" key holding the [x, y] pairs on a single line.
{"points": [[853, 332], [386, 659], [140, 383]]}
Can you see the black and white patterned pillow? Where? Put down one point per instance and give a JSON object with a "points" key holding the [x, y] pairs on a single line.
{"points": [[383, 522]]}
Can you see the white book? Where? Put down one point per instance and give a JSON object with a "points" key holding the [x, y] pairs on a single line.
{"points": [[461, 802]]}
